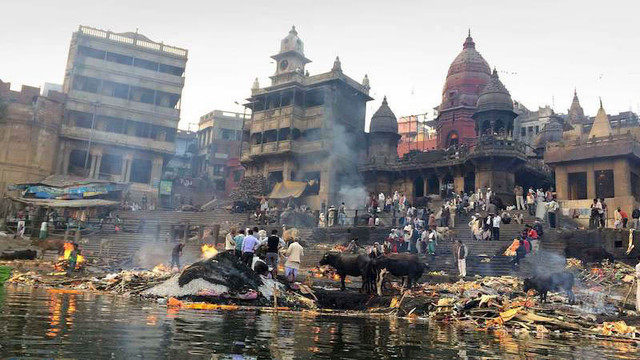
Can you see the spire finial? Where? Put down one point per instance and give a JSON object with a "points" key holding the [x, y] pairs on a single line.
{"points": [[575, 92], [365, 81], [384, 100], [469, 34], [293, 30], [600, 102], [468, 43], [495, 71], [337, 65]]}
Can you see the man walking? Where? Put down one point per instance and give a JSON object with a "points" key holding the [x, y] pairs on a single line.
{"points": [[519, 193], [342, 214], [460, 254], [273, 245], [497, 220], [552, 208], [531, 202], [249, 245], [294, 255]]}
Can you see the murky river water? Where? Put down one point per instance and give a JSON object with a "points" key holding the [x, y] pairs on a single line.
{"points": [[46, 324]]}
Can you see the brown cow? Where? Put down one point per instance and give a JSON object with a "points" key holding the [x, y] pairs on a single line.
{"points": [[48, 244]]}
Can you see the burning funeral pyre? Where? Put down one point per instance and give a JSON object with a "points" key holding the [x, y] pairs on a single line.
{"points": [[63, 261]]}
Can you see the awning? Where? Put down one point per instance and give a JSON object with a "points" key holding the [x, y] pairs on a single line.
{"points": [[287, 189], [50, 203]]}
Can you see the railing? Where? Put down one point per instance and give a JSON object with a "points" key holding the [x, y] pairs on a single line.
{"points": [[136, 42], [117, 139]]}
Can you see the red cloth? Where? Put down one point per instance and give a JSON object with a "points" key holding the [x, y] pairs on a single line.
{"points": [[624, 214], [533, 234]]}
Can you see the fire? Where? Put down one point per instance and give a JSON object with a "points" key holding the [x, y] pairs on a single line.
{"points": [[161, 268], [68, 248], [208, 251]]}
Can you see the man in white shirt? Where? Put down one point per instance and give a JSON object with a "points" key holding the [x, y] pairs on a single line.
{"points": [[497, 220]]}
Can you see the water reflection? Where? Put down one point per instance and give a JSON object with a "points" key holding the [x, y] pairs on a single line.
{"points": [[40, 323]]}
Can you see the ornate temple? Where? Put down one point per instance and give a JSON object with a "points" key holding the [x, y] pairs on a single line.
{"points": [[307, 132]]}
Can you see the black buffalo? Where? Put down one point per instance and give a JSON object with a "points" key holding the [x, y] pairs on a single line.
{"points": [[588, 255], [352, 265], [401, 265], [18, 255], [553, 282]]}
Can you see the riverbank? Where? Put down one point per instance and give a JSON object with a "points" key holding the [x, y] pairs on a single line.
{"points": [[484, 304]]}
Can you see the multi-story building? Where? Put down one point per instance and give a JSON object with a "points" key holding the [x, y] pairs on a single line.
{"points": [[29, 126], [122, 109], [307, 128], [415, 134], [219, 148]]}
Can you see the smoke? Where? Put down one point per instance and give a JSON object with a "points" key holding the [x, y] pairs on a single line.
{"points": [[547, 262], [353, 197]]}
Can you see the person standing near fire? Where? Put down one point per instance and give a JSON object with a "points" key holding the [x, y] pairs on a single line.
{"points": [[294, 254], [273, 246], [73, 259], [460, 254], [249, 245], [176, 253], [229, 242]]}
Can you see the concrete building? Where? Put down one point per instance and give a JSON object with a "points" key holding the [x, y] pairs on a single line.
{"points": [[601, 164], [29, 127], [307, 128], [123, 108], [219, 148], [416, 134]]}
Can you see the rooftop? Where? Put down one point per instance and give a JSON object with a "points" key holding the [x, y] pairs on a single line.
{"points": [[133, 39]]}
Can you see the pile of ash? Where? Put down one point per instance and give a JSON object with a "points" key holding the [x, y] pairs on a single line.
{"points": [[222, 276]]}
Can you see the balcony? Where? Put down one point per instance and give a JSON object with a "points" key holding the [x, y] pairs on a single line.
{"points": [[115, 139], [124, 104], [276, 147], [309, 146], [128, 71]]}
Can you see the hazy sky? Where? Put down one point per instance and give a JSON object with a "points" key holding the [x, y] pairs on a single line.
{"points": [[542, 48]]}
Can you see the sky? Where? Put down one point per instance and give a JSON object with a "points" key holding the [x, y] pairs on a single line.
{"points": [[543, 49]]}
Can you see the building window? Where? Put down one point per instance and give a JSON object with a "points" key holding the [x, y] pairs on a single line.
{"points": [[111, 164], [140, 171], [605, 187], [218, 170], [120, 59], [237, 176], [313, 182], [110, 88], [530, 130], [173, 70], [219, 185], [537, 129], [146, 64], [89, 52], [87, 84], [577, 186], [523, 132], [273, 178], [227, 134], [113, 125], [143, 95]]}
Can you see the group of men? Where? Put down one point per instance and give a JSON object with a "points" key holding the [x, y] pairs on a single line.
{"points": [[247, 247]]}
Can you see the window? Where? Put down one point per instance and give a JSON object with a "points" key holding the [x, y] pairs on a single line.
{"points": [[605, 187], [140, 171], [80, 119], [120, 59], [537, 129], [145, 64], [523, 131], [577, 186], [111, 164], [113, 125], [173, 70], [273, 178], [237, 176], [142, 130], [312, 134], [227, 134], [92, 53], [167, 99], [87, 84], [218, 170], [110, 88], [142, 95], [220, 185], [313, 182]]}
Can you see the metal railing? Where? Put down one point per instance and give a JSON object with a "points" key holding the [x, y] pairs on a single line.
{"points": [[133, 41]]}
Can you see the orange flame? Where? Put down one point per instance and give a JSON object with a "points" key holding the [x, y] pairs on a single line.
{"points": [[68, 248], [208, 251], [160, 268]]}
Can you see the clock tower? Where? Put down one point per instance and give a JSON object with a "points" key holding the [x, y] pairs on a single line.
{"points": [[290, 61]]}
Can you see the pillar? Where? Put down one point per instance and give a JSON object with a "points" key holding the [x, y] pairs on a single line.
{"points": [[156, 170], [65, 161], [562, 183], [126, 169], [96, 170], [622, 178], [458, 184], [440, 185], [591, 182], [93, 166]]}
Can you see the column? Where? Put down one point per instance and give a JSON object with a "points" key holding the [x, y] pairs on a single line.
{"points": [[65, 161], [286, 170], [96, 170], [127, 169], [458, 184], [440, 185], [156, 170], [562, 183], [591, 182], [93, 166], [622, 178]]}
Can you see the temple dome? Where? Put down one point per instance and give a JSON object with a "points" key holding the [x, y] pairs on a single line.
{"points": [[292, 42], [468, 74], [576, 113], [494, 95], [384, 120], [551, 132]]}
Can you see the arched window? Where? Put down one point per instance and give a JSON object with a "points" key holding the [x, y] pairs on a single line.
{"points": [[498, 128]]}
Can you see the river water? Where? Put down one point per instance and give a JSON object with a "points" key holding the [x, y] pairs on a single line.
{"points": [[41, 323]]}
